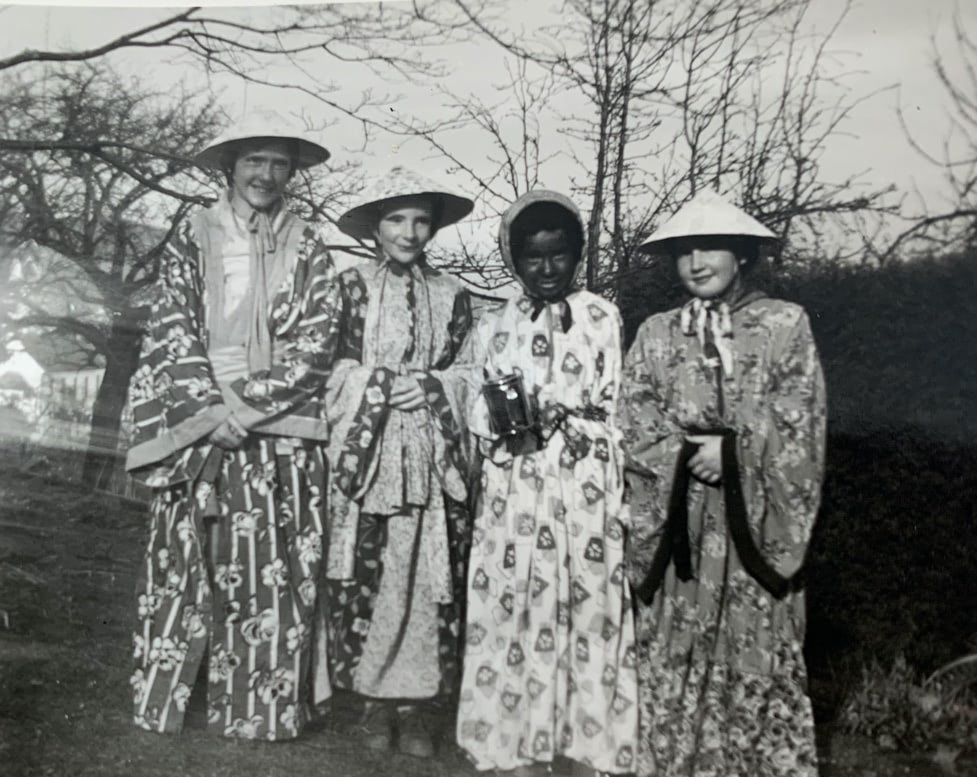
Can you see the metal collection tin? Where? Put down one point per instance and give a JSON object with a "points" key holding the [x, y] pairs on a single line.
{"points": [[510, 411]]}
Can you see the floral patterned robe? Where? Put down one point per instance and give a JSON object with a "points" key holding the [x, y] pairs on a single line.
{"points": [[549, 666], [720, 658], [398, 517], [246, 606]]}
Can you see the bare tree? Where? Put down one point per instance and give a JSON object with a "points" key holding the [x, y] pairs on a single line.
{"points": [[312, 51], [677, 95], [953, 227], [107, 209]]}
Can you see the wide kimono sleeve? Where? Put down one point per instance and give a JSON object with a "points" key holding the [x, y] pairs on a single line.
{"points": [[791, 451], [174, 398], [358, 396], [448, 388], [472, 363], [652, 442]]}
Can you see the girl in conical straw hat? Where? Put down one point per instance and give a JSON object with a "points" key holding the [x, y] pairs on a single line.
{"points": [[391, 616], [723, 411], [228, 428], [549, 668]]}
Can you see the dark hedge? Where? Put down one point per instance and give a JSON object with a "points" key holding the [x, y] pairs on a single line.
{"points": [[893, 565]]}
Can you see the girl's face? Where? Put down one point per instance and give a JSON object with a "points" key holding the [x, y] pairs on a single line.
{"points": [[708, 267], [261, 172], [547, 264], [405, 226]]}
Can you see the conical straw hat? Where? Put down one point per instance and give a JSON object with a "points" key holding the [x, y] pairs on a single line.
{"points": [[361, 219], [708, 213], [264, 123]]}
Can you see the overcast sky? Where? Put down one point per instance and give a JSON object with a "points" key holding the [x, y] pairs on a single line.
{"points": [[889, 43]]}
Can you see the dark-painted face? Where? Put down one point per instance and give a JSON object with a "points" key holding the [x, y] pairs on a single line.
{"points": [[547, 264]]}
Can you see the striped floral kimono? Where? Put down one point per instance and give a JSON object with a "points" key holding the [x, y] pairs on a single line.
{"points": [[235, 536], [398, 518]]}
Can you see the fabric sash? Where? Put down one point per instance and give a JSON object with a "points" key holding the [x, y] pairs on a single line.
{"points": [[675, 536]]}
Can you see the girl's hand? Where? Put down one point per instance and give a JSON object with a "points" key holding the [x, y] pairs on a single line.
{"points": [[230, 435], [407, 393], [707, 464]]}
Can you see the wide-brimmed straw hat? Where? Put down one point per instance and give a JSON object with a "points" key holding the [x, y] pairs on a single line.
{"points": [[264, 123], [360, 220], [708, 213]]}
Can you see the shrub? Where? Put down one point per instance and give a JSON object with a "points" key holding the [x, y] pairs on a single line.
{"points": [[898, 710]]}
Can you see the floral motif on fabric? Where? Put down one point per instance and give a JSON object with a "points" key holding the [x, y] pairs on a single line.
{"points": [[549, 663], [721, 665]]}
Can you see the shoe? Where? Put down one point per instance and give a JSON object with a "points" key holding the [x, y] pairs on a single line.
{"points": [[415, 738], [530, 770], [376, 728], [578, 769]]}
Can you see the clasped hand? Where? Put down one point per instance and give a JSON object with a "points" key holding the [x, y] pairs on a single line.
{"points": [[407, 393], [706, 464], [230, 435]]}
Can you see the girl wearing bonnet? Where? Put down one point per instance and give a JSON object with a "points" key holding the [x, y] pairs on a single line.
{"points": [[549, 666]]}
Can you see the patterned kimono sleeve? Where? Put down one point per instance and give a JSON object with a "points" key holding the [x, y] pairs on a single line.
{"points": [[652, 442], [793, 451], [306, 323], [356, 396], [605, 394], [174, 398], [471, 365], [447, 390]]}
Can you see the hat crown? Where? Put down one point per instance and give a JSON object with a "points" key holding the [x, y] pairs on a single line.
{"points": [[400, 181], [265, 123], [709, 213]]}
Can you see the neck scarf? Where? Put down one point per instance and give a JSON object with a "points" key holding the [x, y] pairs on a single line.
{"points": [[262, 231], [710, 320], [271, 237], [562, 306]]}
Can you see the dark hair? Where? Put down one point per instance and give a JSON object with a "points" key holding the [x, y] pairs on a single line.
{"points": [[232, 151], [745, 247], [436, 203], [545, 217]]}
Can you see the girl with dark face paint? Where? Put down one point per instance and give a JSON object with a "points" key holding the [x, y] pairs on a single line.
{"points": [[549, 668]]}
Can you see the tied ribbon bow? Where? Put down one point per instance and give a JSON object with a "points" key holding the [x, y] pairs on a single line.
{"points": [[712, 325], [566, 317]]}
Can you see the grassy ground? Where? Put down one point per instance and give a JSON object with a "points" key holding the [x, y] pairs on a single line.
{"points": [[67, 563]]}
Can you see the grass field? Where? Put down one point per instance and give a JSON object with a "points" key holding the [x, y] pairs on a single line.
{"points": [[67, 565]]}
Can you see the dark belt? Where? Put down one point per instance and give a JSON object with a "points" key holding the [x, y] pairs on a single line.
{"points": [[675, 536]]}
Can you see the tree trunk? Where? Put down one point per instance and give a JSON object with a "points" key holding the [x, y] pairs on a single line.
{"points": [[102, 456]]}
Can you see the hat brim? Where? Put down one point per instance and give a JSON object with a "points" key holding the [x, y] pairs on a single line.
{"points": [[360, 222], [309, 152], [660, 244]]}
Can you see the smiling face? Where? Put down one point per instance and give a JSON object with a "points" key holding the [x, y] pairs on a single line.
{"points": [[260, 173], [405, 226], [708, 266], [547, 263]]}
